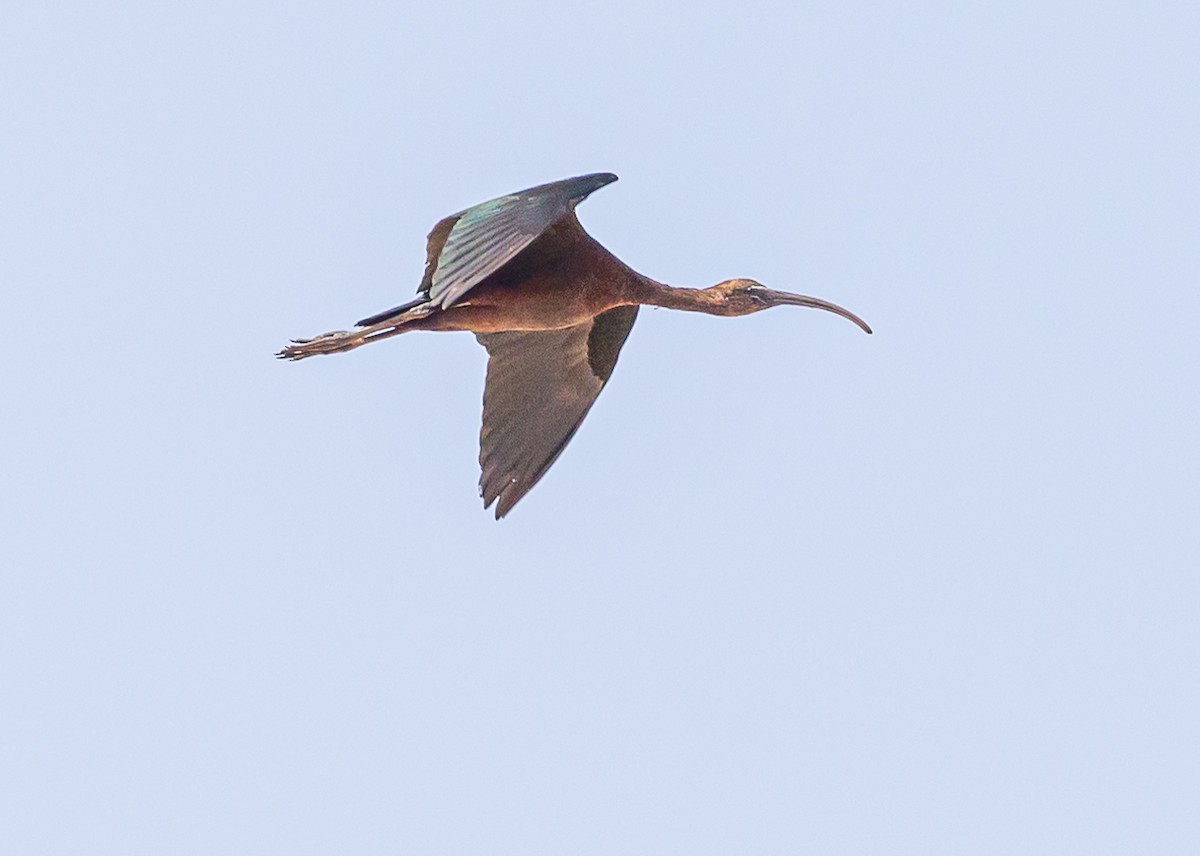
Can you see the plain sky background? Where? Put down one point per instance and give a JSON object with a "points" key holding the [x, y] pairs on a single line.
{"points": [[791, 589]]}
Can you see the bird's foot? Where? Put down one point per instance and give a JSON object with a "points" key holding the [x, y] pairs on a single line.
{"points": [[326, 343]]}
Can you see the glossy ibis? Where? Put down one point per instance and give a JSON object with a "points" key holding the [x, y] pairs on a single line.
{"points": [[552, 307]]}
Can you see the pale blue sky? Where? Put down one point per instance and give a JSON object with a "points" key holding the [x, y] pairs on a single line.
{"points": [[791, 589]]}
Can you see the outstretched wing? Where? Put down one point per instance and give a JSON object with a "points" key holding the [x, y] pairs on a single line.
{"points": [[540, 385], [467, 247]]}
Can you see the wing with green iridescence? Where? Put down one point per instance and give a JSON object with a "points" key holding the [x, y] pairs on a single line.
{"points": [[483, 238], [540, 386]]}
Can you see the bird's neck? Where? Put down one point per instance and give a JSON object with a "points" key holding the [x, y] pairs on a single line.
{"points": [[706, 300]]}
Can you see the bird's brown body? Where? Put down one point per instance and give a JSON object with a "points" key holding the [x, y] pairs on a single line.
{"points": [[552, 306], [528, 293]]}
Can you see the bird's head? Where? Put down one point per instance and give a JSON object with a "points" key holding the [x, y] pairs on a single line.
{"points": [[744, 296]]}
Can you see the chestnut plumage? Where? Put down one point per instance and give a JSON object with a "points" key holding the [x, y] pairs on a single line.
{"points": [[553, 308]]}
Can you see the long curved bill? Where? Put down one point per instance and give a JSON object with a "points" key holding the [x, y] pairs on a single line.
{"points": [[788, 299]]}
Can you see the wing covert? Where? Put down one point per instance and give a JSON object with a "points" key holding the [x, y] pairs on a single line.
{"points": [[481, 239]]}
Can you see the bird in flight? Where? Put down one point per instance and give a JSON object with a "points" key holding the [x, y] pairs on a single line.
{"points": [[551, 306]]}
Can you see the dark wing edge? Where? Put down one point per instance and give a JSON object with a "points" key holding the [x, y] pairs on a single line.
{"points": [[540, 386], [466, 248]]}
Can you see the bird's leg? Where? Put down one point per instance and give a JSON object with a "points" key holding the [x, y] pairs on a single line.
{"points": [[326, 343], [348, 340]]}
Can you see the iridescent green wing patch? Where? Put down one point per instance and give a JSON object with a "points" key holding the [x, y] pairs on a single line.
{"points": [[488, 235]]}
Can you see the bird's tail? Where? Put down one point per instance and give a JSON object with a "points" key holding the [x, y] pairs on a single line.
{"points": [[389, 313]]}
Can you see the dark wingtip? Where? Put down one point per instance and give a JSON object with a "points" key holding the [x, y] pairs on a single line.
{"points": [[593, 181], [499, 510]]}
